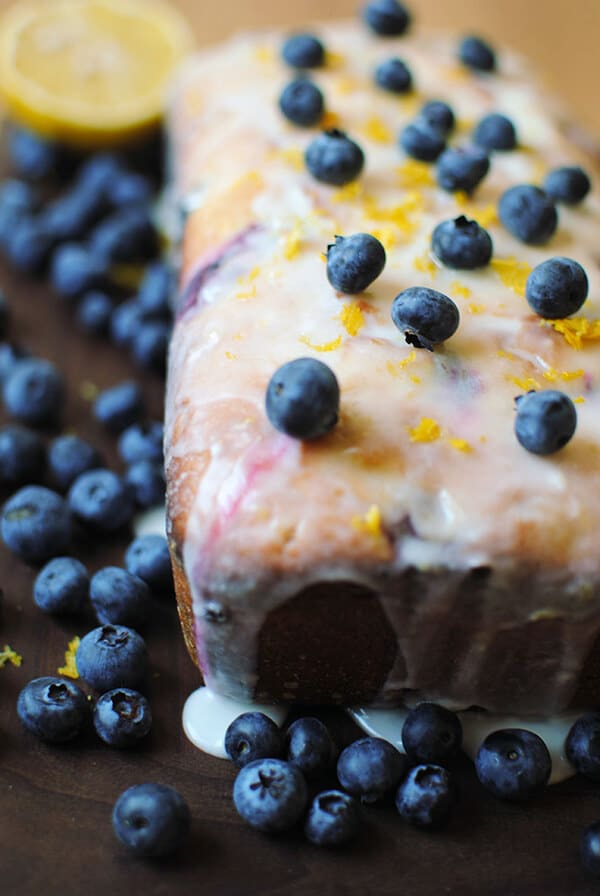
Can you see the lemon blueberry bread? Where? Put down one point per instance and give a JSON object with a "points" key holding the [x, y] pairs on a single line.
{"points": [[407, 214]]}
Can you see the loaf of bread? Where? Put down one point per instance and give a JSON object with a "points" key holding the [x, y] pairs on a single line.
{"points": [[417, 550]]}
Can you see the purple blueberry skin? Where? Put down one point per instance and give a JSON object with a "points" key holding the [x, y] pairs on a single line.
{"points": [[142, 441], [528, 213], [34, 392], [101, 500], [62, 586], [68, 457], [53, 709], [582, 745], [120, 406], [426, 796], [545, 421], [431, 733], [252, 736], [152, 820], [333, 818], [589, 848], [22, 455], [270, 794], [119, 598], [148, 557], [557, 287], [36, 524], [122, 717], [112, 656], [310, 747], [513, 764], [369, 768], [145, 481]]}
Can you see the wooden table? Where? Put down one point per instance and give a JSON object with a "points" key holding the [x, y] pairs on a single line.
{"points": [[55, 802]]}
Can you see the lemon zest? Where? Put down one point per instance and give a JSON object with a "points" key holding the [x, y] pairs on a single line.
{"points": [[553, 375], [503, 354], [424, 264], [329, 120], [413, 173], [247, 294], [415, 379], [8, 655], [348, 192], [293, 156], [460, 445], [323, 346], [69, 670], [231, 356], [377, 130], [427, 430], [474, 308], [405, 215], [458, 289], [345, 85], [292, 241], [526, 382], [576, 330], [512, 272], [385, 235], [264, 54], [352, 318], [370, 523], [394, 367], [579, 400], [333, 59]]}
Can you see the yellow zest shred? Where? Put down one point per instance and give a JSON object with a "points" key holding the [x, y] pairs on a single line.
{"points": [[576, 330], [525, 382], [415, 379], [385, 235], [293, 156], [456, 73], [553, 375], [474, 308], [405, 215], [394, 367], [350, 191], [377, 130], [264, 54], [231, 356], [345, 85], [513, 273], [413, 173], [8, 655], [292, 241], [329, 120], [457, 289], [579, 400], [70, 667], [370, 523], [352, 318], [502, 354], [461, 198], [486, 216], [460, 445], [333, 59], [247, 293], [254, 273], [323, 346], [425, 264], [427, 430]]}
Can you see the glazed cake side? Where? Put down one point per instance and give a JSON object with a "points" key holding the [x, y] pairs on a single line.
{"points": [[417, 550]]}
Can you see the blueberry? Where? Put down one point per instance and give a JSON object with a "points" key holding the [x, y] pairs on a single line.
{"points": [[10, 355], [119, 406], [477, 54], [22, 455], [462, 168], [142, 441], [545, 421], [68, 457], [369, 768], [152, 820], [425, 316], [310, 747], [34, 392], [17, 198], [4, 314], [528, 213], [61, 586], [125, 321], [438, 115], [76, 269], [101, 500], [94, 312], [129, 188], [589, 848], [422, 141], [569, 184], [354, 262], [28, 245], [495, 131], [513, 764], [270, 794], [251, 736], [462, 244], [98, 173], [334, 158], [302, 103], [122, 717], [303, 51], [127, 235], [31, 156], [148, 558], [53, 709], [145, 480], [426, 796], [557, 288], [71, 215], [36, 524], [394, 75], [119, 598], [333, 818], [387, 18], [303, 399], [582, 746], [112, 656], [156, 289], [431, 733], [150, 343]]}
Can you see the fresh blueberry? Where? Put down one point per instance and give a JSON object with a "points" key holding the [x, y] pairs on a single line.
{"points": [[4, 314], [98, 173], [152, 820], [148, 558], [589, 848], [387, 18], [150, 343], [145, 480], [17, 199], [156, 289], [112, 656], [334, 158], [569, 184], [462, 168], [303, 398], [513, 763], [302, 103], [303, 51], [310, 747], [431, 733], [76, 269], [34, 392], [333, 818], [394, 75], [270, 794], [462, 244], [438, 115], [61, 586], [528, 213], [94, 312], [22, 455], [28, 244], [36, 524], [251, 736], [68, 457], [101, 500], [422, 141], [10, 355], [119, 598], [495, 131], [31, 156], [582, 745], [119, 406], [129, 188], [426, 796], [557, 288], [477, 54], [122, 717], [354, 262], [125, 321], [545, 421], [142, 441], [70, 216], [125, 236], [53, 709], [425, 316], [369, 768]]}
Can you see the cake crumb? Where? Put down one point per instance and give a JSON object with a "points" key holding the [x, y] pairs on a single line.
{"points": [[69, 670], [8, 655]]}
